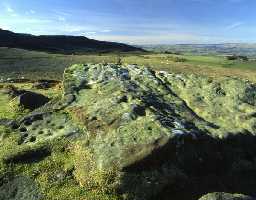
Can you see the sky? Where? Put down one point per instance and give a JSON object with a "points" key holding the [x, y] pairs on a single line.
{"points": [[135, 21]]}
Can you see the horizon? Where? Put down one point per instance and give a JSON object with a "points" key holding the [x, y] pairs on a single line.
{"points": [[137, 23], [161, 44]]}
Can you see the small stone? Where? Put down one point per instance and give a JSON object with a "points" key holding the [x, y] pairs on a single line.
{"points": [[138, 110]]}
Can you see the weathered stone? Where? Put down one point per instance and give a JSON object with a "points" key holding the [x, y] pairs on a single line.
{"points": [[226, 196], [40, 127], [225, 103], [142, 134], [20, 188], [156, 129], [9, 123]]}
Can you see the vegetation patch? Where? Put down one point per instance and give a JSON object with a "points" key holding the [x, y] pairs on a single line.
{"points": [[90, 176]]}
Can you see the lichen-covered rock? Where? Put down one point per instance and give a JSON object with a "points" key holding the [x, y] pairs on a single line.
{"points": [[128, 112], [228, 103], [19, 188], [225, 196], [40, 127], [137, 119], [150, 135]]}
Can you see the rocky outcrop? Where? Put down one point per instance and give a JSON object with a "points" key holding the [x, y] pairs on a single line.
{"points": [[19, 188], [225, 196], [164, 135]]}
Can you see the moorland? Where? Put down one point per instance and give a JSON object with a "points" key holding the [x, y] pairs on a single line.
{"points": [[151, 123]]}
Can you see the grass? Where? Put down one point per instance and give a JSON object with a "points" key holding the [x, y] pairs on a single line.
{"points": [[211, 66], [54, 173], [17, 63], [88, 174], [9, 108], [5, 110]]}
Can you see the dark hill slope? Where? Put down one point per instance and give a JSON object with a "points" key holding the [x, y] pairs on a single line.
{"points": [[60, 43]]}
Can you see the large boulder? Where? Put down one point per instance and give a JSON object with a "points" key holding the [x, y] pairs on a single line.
{"points": [[139, 121], [152, 135]]}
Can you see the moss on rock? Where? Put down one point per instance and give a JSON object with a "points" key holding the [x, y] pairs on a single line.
{"points": [[225, 196], [127, 132]]}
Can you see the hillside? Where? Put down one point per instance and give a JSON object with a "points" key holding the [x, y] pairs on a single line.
{"points": [[18, 63], [60, 43], [122, 132]]}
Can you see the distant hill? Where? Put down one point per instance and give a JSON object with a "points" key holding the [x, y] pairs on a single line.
{"points": [[60, 43], [244, 49]]}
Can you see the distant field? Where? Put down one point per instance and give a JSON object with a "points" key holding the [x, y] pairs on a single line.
{"points": [[17, 63], [207, 49]]}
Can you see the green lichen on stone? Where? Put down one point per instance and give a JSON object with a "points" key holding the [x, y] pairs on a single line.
{"points": [[19, 188], [127, 132], [225, 196], [229, 103]]}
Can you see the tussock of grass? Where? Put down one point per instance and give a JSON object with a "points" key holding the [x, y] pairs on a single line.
{"points": [[90, 176], [5, 109]]}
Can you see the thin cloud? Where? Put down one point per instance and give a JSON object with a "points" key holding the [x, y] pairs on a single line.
{"points": [[23, 20], [30, 12], [62, 19], [234, 26], [75, 29], [61, 13], [106, 31], [89, 33], [8, 8], [153, 39]]}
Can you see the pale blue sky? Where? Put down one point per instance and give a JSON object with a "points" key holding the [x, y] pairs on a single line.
{"points": [[135, 21]]}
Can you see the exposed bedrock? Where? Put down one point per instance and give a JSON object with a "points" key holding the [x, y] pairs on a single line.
{"points": [[168, 136]]}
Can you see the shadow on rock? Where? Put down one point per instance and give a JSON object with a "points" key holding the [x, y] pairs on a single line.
{"points": [[187, 168]]}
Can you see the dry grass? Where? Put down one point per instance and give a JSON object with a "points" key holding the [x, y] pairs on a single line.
{"points": [[88, 174]]}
